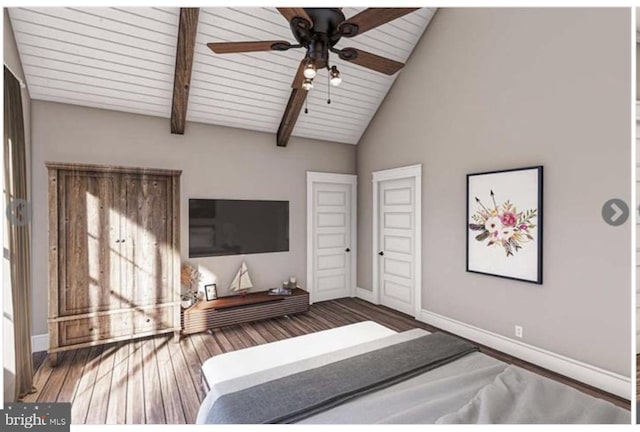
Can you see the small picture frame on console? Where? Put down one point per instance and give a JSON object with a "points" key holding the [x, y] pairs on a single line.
{"points": [[210, 292]]}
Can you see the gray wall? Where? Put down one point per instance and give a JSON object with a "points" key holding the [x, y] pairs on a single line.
{"points": [[217, 162], [491, 89]]}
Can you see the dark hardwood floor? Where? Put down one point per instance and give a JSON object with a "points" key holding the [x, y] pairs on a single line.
{"points": [[154, 380]]}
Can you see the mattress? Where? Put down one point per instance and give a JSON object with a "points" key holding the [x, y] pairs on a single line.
{"points": [[258, 358]]}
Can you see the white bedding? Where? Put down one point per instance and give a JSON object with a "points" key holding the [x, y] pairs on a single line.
{"points": [[519, 396], [452, 393], [262, 357]]}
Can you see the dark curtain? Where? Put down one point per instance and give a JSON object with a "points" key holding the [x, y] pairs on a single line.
{"points": [[18, 225]]}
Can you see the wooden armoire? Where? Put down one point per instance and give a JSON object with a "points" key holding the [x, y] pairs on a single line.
{"points": [[114, 254]]}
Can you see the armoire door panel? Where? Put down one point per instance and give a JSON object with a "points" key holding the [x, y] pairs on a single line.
{"points": [[147, 240], [89, 222]]}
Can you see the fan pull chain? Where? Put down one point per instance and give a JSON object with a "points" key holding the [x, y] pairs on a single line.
{"points": [[306, 110], [328, 88]]}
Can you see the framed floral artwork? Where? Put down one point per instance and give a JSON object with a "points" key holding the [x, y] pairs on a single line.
{"points": [[504, 223]]}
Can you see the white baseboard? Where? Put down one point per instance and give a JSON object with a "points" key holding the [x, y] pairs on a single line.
{"points": [[592, 375], [364, 294], [39, 342]]}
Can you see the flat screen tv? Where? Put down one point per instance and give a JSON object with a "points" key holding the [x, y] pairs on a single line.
{"points": [[231, 227]]}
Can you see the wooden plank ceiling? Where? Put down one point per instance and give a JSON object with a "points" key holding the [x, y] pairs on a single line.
{"points": [[124, 59]]}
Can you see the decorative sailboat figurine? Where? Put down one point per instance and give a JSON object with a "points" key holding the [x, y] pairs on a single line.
{"points": [[241, 282]]}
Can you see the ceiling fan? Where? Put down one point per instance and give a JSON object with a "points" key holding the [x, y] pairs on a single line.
{"points": [[318, 30]]}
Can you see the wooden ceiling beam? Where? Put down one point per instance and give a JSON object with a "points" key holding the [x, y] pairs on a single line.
{"points": [[184, 62], [290, 117]]}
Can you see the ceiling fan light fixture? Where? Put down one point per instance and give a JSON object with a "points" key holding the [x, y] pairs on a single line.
{"points": [[335, 78], [307, 84], [309, 71]]}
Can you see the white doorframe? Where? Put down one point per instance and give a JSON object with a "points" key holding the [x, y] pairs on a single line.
{"points": [[348, 179], [415, 172]]}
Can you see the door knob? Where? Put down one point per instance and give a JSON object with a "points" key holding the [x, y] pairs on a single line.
{"points": [[347, 250], [381, 253]]}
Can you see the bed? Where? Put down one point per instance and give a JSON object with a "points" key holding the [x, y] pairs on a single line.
{"points": [[365, 373]]}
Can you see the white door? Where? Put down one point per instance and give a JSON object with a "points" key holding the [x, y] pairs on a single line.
{"points": [[396, 248], [331, 240]]}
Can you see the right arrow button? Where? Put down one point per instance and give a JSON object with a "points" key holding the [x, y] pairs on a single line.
{"points": [[615, 212]]}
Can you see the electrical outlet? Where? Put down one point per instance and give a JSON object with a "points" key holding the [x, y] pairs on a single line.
{"points": [[519, 331]]}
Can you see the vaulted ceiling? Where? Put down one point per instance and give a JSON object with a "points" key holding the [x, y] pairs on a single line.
{"points": [[124, 59]]}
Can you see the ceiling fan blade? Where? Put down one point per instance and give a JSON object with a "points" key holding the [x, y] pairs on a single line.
{"points": [[252, 46], [291, 13], [298, 78], [371, 61], [371, 18]]}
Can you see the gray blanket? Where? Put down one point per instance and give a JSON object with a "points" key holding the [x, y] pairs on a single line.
{"points": [[309, 392], [419, 400]]}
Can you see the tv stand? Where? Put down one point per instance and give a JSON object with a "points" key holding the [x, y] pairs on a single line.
{"points": [[226, 311]]}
